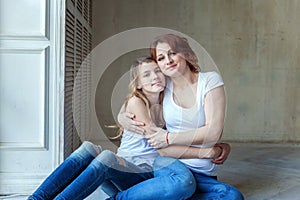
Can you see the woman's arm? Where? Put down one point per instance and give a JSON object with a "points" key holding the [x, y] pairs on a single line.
{"points": [[219, 152], [137, 107], [210, 133], [190, 152]]}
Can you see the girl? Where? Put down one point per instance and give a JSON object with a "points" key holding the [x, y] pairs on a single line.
{"points": [[89, 167], [194, 111]]}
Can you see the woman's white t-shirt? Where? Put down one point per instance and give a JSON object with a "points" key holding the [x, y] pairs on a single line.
{"points": [[183, 119]]}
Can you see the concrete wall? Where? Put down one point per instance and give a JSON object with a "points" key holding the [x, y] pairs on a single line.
{"points": [[254, 43]]}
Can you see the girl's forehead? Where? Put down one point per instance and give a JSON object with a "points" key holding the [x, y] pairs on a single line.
{"points": [[147, 66]]}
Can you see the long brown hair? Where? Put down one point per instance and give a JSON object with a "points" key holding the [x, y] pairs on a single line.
{"points": [[179, 45], [133, 88]]}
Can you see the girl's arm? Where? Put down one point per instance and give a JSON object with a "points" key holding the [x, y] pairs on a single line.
{"points": [[210, 133], [128, 121], [137, 110]]}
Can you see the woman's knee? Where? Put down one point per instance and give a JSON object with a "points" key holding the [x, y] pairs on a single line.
{"points": [[188, 185], [181, 180], [235, 194], [228, 191], [183, 187]]}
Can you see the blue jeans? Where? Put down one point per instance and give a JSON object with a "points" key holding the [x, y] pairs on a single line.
{"points": [[85, 170], [172, 180], [209, 188]]}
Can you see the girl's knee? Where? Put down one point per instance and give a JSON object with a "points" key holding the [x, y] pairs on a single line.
{"points": [[88, 148], [107, 157], [86, 145]]}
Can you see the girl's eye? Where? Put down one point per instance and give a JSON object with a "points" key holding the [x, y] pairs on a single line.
{"points": [[173, 53], [146, 75]]}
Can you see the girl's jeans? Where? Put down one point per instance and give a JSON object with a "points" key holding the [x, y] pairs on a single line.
{"points": [[84, 171]]}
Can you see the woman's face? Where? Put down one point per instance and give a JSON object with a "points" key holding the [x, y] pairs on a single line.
{"points": [[151, 79], [170, 62]]}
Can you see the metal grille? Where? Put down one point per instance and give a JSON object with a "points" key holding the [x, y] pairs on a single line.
{"points": [[78, 44]]}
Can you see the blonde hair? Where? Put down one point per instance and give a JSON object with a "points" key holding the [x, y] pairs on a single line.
{"points": [[134, 90], [179, 45]]}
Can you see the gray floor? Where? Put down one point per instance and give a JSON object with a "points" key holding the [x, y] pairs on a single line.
{"points": [[264, 171], [259, 171]]}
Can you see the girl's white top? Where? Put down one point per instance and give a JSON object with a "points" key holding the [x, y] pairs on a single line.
{"points": [[136, 149], [183, 119]]}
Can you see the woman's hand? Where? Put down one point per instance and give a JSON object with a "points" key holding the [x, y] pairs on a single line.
{"points": [[126, 120], [224, 154], [158, 139]]}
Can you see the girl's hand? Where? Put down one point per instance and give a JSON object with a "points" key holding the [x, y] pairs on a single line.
{"points": [[158, 139], [127, 121], [224, 154]]}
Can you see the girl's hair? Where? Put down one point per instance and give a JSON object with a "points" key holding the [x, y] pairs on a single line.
{"points": [[133, 88], [179, 45], [134, 80]]}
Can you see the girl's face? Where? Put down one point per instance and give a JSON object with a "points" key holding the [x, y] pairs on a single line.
{"points": [[151, 79], [170, 62]]}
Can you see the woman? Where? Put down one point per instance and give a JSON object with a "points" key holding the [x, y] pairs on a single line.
{"points": [[194, 110], [89, 167]]}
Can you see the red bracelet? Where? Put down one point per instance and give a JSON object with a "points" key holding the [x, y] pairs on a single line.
{"points": [[167, 138]]}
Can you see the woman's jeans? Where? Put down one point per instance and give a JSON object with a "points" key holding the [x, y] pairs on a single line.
{"points": [[85, 170], [172, 180], [209, 188]]}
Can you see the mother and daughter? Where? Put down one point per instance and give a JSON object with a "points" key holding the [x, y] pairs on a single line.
{"points": [[180, 116]]}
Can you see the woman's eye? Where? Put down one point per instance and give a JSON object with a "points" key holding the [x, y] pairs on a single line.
{"points": [[173, 53], [160, 58]]}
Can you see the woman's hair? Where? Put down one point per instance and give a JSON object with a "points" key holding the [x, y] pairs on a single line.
{"points": [[179, 45], [133, 87]]}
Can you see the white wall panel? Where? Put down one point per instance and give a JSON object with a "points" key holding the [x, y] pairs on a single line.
{"points": [[22, 99], [23, 18]]}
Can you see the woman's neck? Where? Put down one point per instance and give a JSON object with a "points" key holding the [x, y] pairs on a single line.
{"points": [[185, 79]]}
